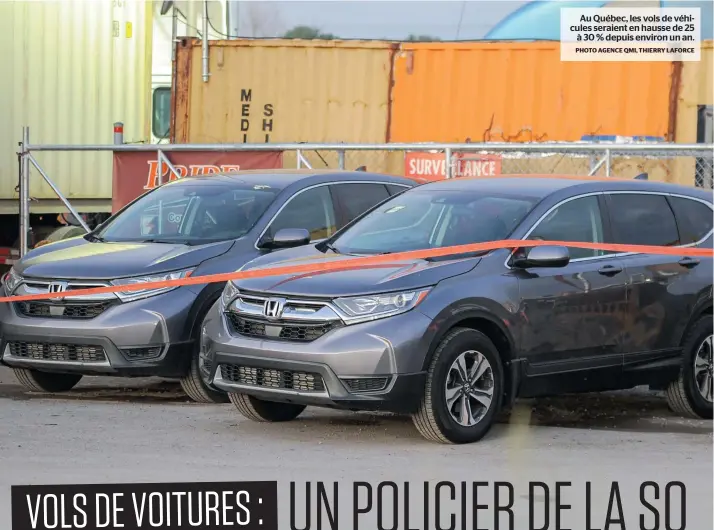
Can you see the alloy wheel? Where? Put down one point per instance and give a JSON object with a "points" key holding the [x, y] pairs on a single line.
{"points": [[469, 388], [704, 368]]}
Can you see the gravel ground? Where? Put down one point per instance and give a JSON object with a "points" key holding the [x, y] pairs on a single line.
{"points": [[110, 430]]}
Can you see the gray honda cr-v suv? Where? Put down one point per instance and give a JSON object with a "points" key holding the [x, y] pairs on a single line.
{"points": [[451, 340], [196, 226]]}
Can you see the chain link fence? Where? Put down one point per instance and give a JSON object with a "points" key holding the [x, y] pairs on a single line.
{"points": [[688, 166]]}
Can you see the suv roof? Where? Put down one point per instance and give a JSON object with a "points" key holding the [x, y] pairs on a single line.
{"points": [[282, 178], [541, 186]]}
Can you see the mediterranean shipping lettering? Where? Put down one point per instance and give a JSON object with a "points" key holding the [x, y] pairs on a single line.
{"points": [[266, 126]]}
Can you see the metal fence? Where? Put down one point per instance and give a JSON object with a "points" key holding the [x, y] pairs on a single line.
{"points": [[690, 164]]}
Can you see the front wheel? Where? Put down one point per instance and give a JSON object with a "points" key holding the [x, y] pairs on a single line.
{"points": [[196, 382], [690, 394], [265, 411], [45, 381], [464, 389]]}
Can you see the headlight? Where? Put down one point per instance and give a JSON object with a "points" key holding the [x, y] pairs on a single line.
{"points": [[230, 291], [11, 280], [128, 296], [371, 307]]}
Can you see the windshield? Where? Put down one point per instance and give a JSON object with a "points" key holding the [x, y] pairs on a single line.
{"points": [[422, 219], [191, 212]]}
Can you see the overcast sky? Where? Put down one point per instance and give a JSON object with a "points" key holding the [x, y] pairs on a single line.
{"points": [[372, 19]]}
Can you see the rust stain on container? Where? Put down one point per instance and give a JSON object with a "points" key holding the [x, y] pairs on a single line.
{"points": [[284, 91], [522, 92]]}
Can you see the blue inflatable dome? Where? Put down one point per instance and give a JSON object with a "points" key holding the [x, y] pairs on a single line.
{"points": [[540, 20]]}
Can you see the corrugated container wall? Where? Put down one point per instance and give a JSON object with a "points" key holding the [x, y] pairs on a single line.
{"points": [[70, 70], [520, 92], [285, 91], [696, 89]]}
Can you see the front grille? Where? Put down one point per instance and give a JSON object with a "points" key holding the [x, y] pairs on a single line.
{"points": [[142, 354], [81, 311], [268, 378], [366, 384], [51, 351], [295, 332]]}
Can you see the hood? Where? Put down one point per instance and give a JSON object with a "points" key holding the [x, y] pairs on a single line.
{"points": [[78, 259], [389, 276]]}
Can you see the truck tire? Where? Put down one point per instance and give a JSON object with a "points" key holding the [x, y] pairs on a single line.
{"points": [[456, 408], [46, 382], [686, 394], [265, 411]]}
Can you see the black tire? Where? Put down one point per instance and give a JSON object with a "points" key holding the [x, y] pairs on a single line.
{"points": [[433, 419], [194, 383], [265, 411], [683, 395], [45, 381], [196, 388]]}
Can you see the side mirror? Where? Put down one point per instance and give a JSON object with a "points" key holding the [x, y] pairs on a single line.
{"points": [[287, 238], [546, 256]]}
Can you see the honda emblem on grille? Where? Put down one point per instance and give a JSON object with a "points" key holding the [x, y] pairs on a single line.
{"points": [[273, 307], [57, 287]]}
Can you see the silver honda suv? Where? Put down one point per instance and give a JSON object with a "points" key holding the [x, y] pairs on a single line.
{"points": [[451, 340]]}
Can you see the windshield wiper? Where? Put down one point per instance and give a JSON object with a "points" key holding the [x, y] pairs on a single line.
{"points": [[331, 247], [167, 241], [95, 239]]}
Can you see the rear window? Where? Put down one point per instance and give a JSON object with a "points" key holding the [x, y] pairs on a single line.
{"points": [[643, 219], [694, 218]]}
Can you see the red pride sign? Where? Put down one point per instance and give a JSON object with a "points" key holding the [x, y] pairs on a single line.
{"points": [[136, 172], [432, 166]]}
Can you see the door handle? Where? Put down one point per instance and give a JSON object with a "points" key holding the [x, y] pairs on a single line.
{"points": [[609, 270], [689, 262]]}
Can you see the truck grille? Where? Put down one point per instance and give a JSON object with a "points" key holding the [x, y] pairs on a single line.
{"points": [[268, 378], [294, 332], [80, 311], [51, 351]]}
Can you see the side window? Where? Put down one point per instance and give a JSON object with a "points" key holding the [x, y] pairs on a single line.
{"points": [[642, 219], [693, 218], [355, 199], [311, 210], [394, 189], [577, 220], [161, 112]]}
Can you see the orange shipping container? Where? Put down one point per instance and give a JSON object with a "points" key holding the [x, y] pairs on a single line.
{"points": [[521, 92], [286, 91]]}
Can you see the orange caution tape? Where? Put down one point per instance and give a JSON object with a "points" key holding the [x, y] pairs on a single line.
{"points": [[381, 261]]}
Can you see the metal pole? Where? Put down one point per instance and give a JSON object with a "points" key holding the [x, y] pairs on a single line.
{"points": [[233, 25], [24, 192], [298, 155], [595, 167], [167, 162], [302, 161], [62, 198], [204, 43], [608, 162], [341, 159], [118, 133], [447, 168]]}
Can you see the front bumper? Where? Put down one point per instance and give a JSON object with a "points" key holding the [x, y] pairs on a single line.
{"points": [[149, 337], [370, 366]]}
